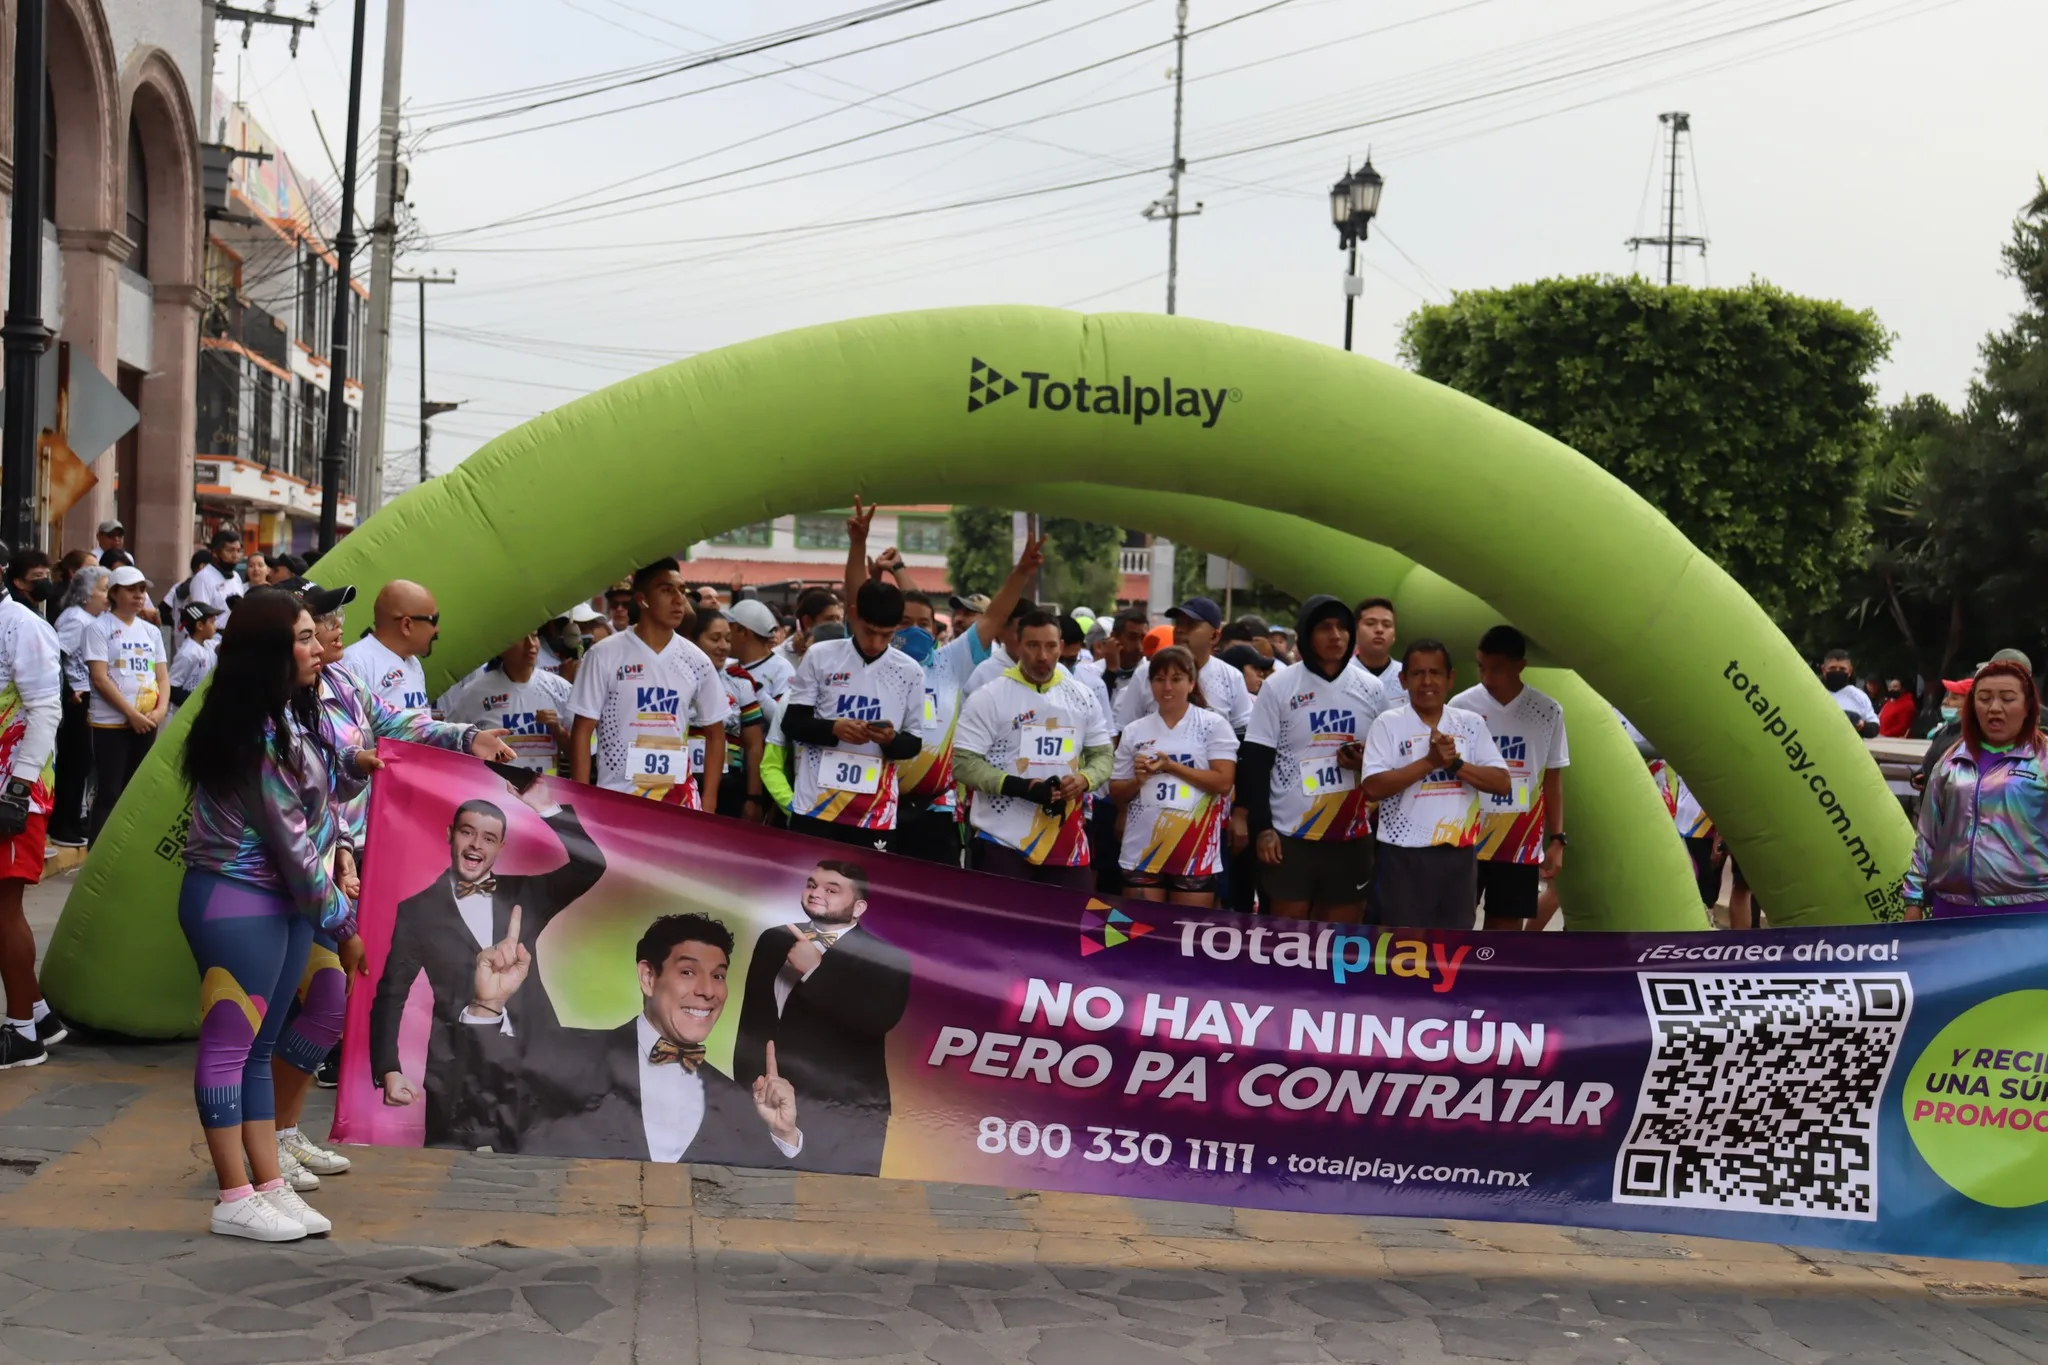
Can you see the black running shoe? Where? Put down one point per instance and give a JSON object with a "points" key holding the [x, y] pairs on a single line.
{"points": [[16, 1050], [328, 1076], [51, 1029]]}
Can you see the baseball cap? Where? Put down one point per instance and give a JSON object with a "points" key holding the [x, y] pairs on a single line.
{"points": [[1199, 609], [1244, 656], [1959, 687], [111, 527], [583, 614], [316, 599], [754, 615], [192, 613], [826, 630], [127, 576], [2013, 656], [974, 601]]}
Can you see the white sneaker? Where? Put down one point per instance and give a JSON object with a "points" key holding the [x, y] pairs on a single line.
{"points": [[310, 1154], [286, 1200], [295, 1175], [257, 1219]]}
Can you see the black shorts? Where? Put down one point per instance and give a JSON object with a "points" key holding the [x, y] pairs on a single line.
{"points": [[1002, 861], [1170, 882], [1510, 889], [1426, 888], [1318, 872], [929, 834], [874, 840]]}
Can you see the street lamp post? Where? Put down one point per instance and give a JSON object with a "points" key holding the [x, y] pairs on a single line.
{"points": [[1354, 201]]}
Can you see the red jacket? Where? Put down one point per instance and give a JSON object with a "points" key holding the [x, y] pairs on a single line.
{"points": [[1895, 719]]}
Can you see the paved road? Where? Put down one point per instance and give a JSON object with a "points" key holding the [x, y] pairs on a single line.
{"points": [[479, 1260]]}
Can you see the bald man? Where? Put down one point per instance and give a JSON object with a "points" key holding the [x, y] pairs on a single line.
{"points": [[387, 660]]}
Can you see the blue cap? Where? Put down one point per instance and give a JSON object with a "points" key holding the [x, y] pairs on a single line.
{"points": [[1199, 609]]}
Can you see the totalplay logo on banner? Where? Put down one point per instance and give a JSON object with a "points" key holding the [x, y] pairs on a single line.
{"points": [[1132, 396]]}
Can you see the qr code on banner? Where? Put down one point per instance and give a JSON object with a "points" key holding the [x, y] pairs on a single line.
{"points": [[1762, 1093]]}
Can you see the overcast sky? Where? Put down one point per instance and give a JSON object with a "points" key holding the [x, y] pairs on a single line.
{"points": [[1871, 151]]}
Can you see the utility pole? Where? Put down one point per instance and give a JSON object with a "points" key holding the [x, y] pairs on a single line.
{"points": [[383, 254], [23, 334], [428, 411], [1673, 238], [332, 455], [1159, 589]]}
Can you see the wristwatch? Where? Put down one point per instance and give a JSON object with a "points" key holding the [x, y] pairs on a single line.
{"points": [[1560, 839], [1453, 766]]}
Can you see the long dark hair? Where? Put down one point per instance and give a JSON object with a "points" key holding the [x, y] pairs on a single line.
{"points": [[254, 687]]}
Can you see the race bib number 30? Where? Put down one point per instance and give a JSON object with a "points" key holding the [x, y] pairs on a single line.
{"points": [[842, 770]]}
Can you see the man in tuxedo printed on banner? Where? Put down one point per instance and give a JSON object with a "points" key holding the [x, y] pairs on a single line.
{"points": [[642, 1091], [440, 929], [824, 993]]}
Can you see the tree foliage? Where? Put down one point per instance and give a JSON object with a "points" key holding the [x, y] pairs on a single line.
{"points": [[1746, 416], [1958, 502], [1080, 557]]}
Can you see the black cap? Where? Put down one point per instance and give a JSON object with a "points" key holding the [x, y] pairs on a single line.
{"points": [[316, 599], [1244, 656], [192, 613]]}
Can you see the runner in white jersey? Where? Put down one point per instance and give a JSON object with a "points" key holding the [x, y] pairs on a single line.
{"points": [[1522, 843], [1298, 778], [30, 708], [405, 624], [516, 695], [1430, 768], [1031, 746], [740, 793], [198, 625], [1172, 774], [753, 653], [927, 816], [645, 695], [1195, 626], [1375, 623], [131, 691]]}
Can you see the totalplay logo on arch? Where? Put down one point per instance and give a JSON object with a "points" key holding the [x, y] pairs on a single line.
{"points": [[1131, 396]]}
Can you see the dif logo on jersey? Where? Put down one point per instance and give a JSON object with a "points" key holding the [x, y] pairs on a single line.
{"points": [[1133, 397]]}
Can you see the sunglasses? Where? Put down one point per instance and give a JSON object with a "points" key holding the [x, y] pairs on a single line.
{"points": [[433, 620]]}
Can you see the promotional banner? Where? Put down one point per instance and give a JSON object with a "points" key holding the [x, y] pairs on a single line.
{"points": [[565, 971]]}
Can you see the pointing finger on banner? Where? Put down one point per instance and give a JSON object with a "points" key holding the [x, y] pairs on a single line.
{"points": [[773, 1074]]}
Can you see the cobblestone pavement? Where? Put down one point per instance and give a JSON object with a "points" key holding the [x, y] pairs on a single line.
{"points": [[479, 1260]]}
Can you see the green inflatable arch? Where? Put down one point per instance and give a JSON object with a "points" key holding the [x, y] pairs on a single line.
{"points": [[1247, 421]]}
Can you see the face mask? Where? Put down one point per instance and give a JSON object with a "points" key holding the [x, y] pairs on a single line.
{"points": [[915, 641], [1835, 679], [1949, 713], [43, 590]]}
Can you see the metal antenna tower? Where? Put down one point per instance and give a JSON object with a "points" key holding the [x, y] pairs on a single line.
{"points": [[1169, 208], [1674, 238]]}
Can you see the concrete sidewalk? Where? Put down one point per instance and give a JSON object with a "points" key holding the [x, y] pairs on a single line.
{"points": [[457, 1258]]}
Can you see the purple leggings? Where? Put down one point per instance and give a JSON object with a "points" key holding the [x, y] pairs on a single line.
{"points": [[251, 946], [312, 1026]]}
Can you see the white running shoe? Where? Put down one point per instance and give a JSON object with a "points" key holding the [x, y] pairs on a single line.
{"points": [[295, 1175], [310, 1154], [286, 1200], [257, 1219]]}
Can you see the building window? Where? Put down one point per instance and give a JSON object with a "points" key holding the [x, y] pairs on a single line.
{"points": [[758, 534], [138, 202], [924, 535], [262, 433], [310, 427], [821, 531]]}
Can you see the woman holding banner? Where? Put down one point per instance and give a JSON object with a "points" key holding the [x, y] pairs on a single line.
{"points": [[258, 884], [1983, 846], [354, 718]]}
